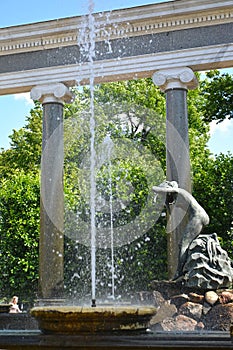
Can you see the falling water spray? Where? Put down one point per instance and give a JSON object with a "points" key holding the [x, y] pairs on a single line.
{"points": [[91, 26]]}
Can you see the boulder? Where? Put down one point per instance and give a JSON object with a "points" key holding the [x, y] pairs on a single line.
{"points": [[179, 300], [178, 323], [219, 318], [166, 311], [211, 297], [196, 298], [192, 310]]}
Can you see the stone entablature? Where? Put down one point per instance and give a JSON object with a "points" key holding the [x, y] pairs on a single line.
{"points": [[129, 44], [137, 21]]}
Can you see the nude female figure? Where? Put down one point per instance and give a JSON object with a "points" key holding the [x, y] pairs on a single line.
{"points": [[197, 217]]}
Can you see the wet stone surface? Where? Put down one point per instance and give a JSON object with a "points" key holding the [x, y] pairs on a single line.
{"points": [[185, 309]]}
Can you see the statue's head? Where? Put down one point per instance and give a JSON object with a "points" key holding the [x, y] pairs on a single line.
{"points": [[171, 196], [171, 190], [167, 184]]}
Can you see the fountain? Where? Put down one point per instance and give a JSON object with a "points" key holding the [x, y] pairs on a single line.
{"points": [[92, 320], [98, 324], [73, 319]]}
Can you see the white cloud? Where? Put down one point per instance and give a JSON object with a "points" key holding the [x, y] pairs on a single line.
{"points": [[223, 127], [25, 96]]}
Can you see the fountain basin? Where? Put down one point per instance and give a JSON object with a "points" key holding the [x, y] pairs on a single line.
{"points": [[78, 319]]}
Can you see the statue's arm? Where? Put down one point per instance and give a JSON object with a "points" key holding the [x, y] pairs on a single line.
{"points": [[184, 197], [159, 189]]}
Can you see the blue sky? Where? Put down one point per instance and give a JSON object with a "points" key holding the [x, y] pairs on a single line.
{"points": [[14, 108]]}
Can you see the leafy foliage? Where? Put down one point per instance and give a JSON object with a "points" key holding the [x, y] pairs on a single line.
{"points": [[131, 117], [213, 188], [133, 114], [19, 227], [25, 150], [217, 90]]}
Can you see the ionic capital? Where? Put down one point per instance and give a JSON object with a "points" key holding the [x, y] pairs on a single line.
{"points": [[51, 93], [175, 78]]}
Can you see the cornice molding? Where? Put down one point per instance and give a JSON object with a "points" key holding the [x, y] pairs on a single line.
{"points": [[142, 20]]}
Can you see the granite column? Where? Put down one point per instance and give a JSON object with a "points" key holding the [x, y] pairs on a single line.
{"points": [[51, 251], [175, 82]]}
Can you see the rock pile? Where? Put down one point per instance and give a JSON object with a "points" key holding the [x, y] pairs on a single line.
{"points": [[180, 309]]}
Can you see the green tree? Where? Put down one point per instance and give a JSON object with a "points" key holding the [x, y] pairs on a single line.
{"points": [[218, 97], [19, 209], [25, 146], [135, 110], [213, 184], [133, 113], [19, 227], [130, 112], [213, 188]]}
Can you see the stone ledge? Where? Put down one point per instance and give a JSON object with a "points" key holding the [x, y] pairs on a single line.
{"points": [[153, 341], [21, 321]]}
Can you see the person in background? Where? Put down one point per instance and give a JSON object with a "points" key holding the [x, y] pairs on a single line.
{"points": [[14, 308]]}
